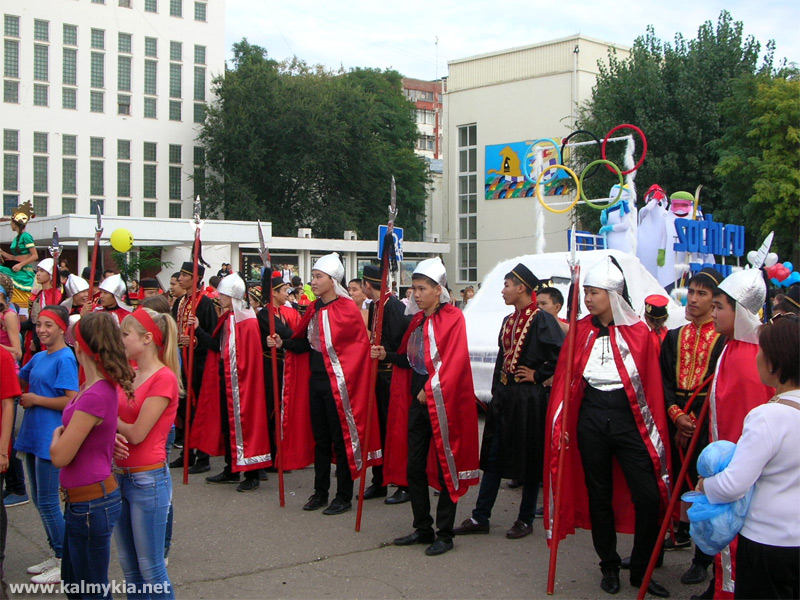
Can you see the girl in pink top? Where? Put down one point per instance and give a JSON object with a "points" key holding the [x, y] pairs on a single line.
{"points": [[151, 341]]}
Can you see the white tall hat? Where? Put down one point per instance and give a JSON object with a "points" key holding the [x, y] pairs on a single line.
{"points": [[608, 276], [330, 264], [46, 265], [747, 287], [115, 286], [232, 285], [75, 285], [434, 269]]}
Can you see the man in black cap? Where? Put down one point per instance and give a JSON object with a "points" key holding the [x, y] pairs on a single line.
{"points": [[395, 323], [204, 315], [513, 437], [150, 287]]}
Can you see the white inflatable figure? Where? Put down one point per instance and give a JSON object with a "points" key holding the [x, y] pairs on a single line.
{"points": [[652, 233], [619, 221], [672, 265]]}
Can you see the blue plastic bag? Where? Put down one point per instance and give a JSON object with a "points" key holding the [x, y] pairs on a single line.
{"points": [[714, 526]]}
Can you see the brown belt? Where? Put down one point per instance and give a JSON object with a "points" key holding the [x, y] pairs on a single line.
{"points": [[93, 491], [129, 470]]}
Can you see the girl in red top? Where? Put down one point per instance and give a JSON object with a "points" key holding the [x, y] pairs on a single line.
{"points": [[9, 389], [151, 340]]}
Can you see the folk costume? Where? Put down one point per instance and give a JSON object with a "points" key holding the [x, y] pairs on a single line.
{"points": [[513, 437], [231, 417], [737, 389], [42, 298], [115, 286], [655, 310], [74, 285], [326, 390], [617, 425], [395, 324], [21, 247], [436, 442]]}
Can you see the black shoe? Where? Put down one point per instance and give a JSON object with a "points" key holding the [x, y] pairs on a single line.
{"points": [[677, 543], [178, 463], [374, 491], [262, 475], [514, 484], [398, 497], [654, 589], [625, 563], [468, 526], [519, 530], [248, 485], [224, 477], [439, 547], [695, 574], [315, 502], [199, 467], [414, 538], [610, 581], [337, 507]]}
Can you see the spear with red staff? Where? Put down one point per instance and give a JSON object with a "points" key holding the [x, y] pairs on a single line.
{"points": [[189, 352], [277, 400], [575, 272], [388, 255], [55, 252], [98, 231]]}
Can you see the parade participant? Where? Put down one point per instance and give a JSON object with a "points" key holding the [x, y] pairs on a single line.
{"points": [[76, 289], [768, 457], [150, 287], [551, 300], [203, 316], [52, 378], [326, 376], [83, 448], [256, 298], [9, 321], [689, 356], [395, 323], [737, 387], [9, 390], [616, 419], [151, 340], [176, 292], [112, 298], [46, 295], [135, 293], [655, 315], [231, 417], [513, 437], [19, 263], [286, 321], [432, 436], [355, 287], [788, 302]]}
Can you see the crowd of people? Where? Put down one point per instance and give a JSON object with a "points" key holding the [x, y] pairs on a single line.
{"points": [[104, 381]]}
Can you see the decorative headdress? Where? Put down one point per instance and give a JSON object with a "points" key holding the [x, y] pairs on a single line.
{"points": [[234, 286], [747, 287], [432, 268], [332, 266], [23, 213], [115, 286], [607, 275]]}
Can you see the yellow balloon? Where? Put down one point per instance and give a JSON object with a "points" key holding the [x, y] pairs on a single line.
{"points": [[121, 240]]}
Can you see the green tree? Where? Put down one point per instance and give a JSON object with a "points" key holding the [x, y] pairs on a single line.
{"points": [[303, 147]]}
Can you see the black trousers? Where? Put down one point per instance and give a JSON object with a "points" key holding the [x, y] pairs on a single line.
{"points": [[764, 571], [604, 433], [327, 430], [420, 437], [382, 393]]}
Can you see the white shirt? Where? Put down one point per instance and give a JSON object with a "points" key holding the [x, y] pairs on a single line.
{"points": [[767, 455]]}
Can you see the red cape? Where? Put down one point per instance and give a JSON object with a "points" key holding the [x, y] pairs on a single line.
{"points": [[735, 391], [346, 356], [245, 394], [636, 358], [451, 404]]}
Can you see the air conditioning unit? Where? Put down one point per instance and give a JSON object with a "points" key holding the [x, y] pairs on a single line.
{"points": [[350, 235], [304, 232], [434, 237]]}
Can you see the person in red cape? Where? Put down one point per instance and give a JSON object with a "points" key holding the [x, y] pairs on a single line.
{"points": [[231, 417], [76, 290], [617, 427], [432, 432], [737, 387], [326, 390], [47, 295], [112, 297]]}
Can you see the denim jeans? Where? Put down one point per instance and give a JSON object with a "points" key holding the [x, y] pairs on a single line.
{"points": [[87, 543], [43, 481], [146, 497], [168, 533]]}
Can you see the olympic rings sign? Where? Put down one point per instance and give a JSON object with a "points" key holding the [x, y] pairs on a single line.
{"points": [[579, 185]]}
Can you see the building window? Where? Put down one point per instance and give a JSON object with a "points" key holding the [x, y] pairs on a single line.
{"points": [[426, 142], [175, 8], [124, 73], [41, 30], [11, 92], [150, 108], [68, 206], [176, 51], [123, 208], [174, 110], [200, 55], [200, 83], [11, 58], [124, 43], [148, 209], [69, 145], [124, 179], [151, 47], [39, 94], [467, 203], [10, 140], [69, 72], [98, 39], [96, 101], [40, 174], [96, 183], [150, 80], [149, 181], [151, 6], [174, 80], [40, 205], [10, 202], [199, 112], [124, 3], [199, 174], [98, 70], [95, 205], [123, 149], [11, 172], [69, 98], [11, 26], [69, 170], [39, 142], [96, 147], [98, 1], [40, 62], [175, 210], [200, 11], [149, 151], [174, 183], [70, 33], [123, 104]]}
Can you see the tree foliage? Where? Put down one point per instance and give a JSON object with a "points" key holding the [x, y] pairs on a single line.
{"points": [[303, 147], [689, 97]]}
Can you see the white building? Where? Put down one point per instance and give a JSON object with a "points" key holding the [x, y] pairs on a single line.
{"points": [[102, 100], [506, 99]]}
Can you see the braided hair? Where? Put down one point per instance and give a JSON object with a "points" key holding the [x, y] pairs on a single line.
{"points": [[104, 338]]}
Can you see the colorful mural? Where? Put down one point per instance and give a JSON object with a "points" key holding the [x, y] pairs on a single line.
{"points": [[508, 171]]}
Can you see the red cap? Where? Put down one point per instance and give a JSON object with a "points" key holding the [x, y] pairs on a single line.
{"points": [[656, 300]]}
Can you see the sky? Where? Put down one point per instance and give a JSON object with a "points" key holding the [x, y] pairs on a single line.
{"points": [[403, 34]]}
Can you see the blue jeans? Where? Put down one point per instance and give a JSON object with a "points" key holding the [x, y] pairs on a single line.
{"points": [[146, 498], [87, 543], [168, 533], [43, 479]]}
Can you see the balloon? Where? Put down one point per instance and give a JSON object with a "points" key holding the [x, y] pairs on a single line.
{"points": [[751, 257], [121, 240], [773, 270], [789, 266], [771, 259], [775, 282], [791, 279]]}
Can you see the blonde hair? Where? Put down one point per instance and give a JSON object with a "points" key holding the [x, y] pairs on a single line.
{"points": [[169, 332]]}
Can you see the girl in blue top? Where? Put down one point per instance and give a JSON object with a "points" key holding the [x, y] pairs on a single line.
{"points": [[52, 378]]}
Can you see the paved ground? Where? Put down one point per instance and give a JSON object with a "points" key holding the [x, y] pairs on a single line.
{"points": [[234, 545]]}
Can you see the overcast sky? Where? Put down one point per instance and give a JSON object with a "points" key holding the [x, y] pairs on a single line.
{"points": [[402, 34]]}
